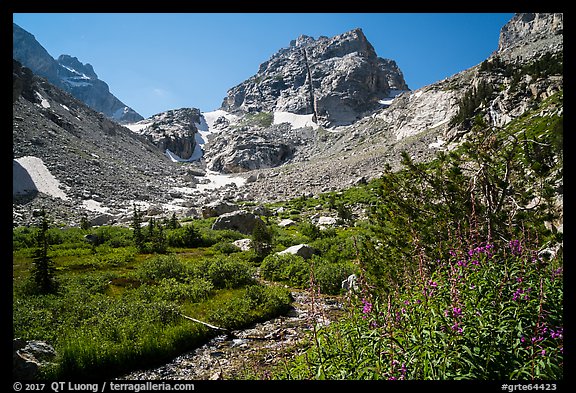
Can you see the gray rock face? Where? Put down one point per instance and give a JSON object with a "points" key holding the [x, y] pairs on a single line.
{"points": [[248, 150], [337, 79], [174, 130], [69, 74], [529, 35]]}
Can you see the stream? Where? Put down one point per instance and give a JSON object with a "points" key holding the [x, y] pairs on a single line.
{"points": [[252, 351]]}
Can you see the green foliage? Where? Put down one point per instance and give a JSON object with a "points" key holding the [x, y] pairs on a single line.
{"points": [[257, 303], [161, 267], [310, 230], [136, 225], [229, 273], [259, 119], [184, 236], [488, 312], [469, 104], [173, 290], [289, 268], [261, 239], [329, 276]]}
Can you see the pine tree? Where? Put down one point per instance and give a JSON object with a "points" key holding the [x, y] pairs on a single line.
{"points": [[43, 267], [137, 234], [261, 239]]}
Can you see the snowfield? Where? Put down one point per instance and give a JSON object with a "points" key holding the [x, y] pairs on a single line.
{"points": [[29, 174], [297, 121]]}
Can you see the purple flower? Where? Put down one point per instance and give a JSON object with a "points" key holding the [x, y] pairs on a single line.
{"points": [[456, 328], [367, 306], [559, 333], [456, 311], [515, 247], [521, 294], [543, 353], [433, 284]]}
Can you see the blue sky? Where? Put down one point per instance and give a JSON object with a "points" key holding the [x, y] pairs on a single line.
{"points": [[159, 61]]}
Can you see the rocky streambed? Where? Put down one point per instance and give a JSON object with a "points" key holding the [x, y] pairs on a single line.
{"points": [[252, 352]]}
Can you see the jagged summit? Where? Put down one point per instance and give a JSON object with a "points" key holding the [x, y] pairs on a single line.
{"points": [[71, 75], [337, 79]]}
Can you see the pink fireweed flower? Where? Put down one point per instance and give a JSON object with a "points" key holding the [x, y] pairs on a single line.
{"points": [[456, 311], [367, 307], [559, 333], [515, 247], [521, 294]]}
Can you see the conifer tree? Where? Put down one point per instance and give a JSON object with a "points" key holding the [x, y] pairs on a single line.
{"points": [[43, 266], [137, 234]]}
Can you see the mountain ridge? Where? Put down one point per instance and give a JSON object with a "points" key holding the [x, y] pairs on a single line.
{"points": [[71, 75], [267, 156]]}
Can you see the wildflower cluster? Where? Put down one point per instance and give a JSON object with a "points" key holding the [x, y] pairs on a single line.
{"points": [[484, 313]]}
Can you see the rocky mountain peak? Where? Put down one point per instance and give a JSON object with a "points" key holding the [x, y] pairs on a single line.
{"points": [[73, 63], [337, 79], [71, 75]]}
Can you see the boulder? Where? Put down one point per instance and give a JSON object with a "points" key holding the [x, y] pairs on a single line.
{"points": [[262, 211], [302, 250], [154, 210], [101, 219], [323, 221], [240, 221], [217, 208], [28, 357], [286, 223], [243, 244]]}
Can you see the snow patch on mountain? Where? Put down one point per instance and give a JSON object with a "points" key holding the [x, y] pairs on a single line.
{"points": [[297, 121], [29, 174]]}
